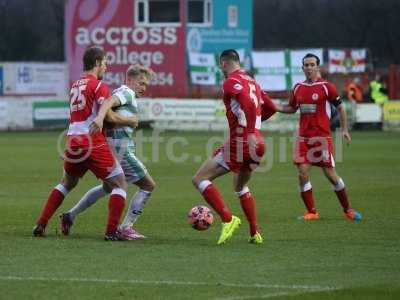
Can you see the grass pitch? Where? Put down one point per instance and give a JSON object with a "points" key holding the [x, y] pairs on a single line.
{"points": [[332, 258]]}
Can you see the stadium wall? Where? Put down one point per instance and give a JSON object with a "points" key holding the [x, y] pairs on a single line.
{"points": [[33, 113]]}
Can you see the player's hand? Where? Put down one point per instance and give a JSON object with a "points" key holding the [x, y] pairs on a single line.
{"points": [[252, 140], [346, 136], [134, 121], [96, 125]]}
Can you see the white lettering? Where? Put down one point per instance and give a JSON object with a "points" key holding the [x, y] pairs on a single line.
{"points": [[133, 57], [170, 36], [126, 35], [109, 35], [159, 79], [94, 36], [122, 56], [158, 58], [145, 58], [125, 32], [139, 36], [111, 57], [155, 36], [82, 36]]}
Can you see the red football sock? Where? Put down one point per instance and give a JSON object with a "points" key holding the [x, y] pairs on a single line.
{"points": [[308, 200], [53, 202], [344, 201], [249, 207], [214, 198], [115, 208]]}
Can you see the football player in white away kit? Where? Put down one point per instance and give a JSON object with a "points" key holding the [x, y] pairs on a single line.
{"points": [[120, 140]]}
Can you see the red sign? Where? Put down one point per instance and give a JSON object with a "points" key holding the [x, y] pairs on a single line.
{"points": [[111, 25]]}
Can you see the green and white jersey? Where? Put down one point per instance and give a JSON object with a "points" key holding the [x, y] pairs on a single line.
{"points": [[120, 137]]}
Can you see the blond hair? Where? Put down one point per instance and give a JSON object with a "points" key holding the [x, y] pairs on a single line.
{"points": [[136, 70]]}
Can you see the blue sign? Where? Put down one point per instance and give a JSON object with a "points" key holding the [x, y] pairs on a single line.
{"points": [[24, 74], [230, 27]]}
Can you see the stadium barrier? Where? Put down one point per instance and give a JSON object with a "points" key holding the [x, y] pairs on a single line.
{"points": [[391, 116], [25, 113]]}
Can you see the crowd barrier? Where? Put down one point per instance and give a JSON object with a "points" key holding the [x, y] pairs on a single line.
{"points": [[25, 113]]}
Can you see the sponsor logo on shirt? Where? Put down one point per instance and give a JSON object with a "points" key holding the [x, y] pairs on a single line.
{"points": [[237, 86], [308, 108]]}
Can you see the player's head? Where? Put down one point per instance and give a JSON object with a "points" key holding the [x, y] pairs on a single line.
{"points": [[311, 66], [229, 61], [94, 60], [138, 78]]}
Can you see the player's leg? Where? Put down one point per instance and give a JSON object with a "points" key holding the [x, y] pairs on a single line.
{"points": [[136, 173], [341, 193], [103, 164], [302, 149], [91, 197], [54, 200], [202, 180], [211, 169], [136, 206], [247, 202], [116, 204], [306, 192]]}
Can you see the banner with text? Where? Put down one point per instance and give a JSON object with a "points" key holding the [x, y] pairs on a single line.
{"points": [[112, 25], [30, 79]]}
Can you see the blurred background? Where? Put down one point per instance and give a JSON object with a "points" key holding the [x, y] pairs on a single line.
{"points": [[42, 42]]}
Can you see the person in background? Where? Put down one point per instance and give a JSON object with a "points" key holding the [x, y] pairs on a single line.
{"points": [[354, 90], [378, 91]]}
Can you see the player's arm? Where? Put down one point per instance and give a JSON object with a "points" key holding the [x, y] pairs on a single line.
{"points": [[342, 119], [106, 105], [118, 119], [268, 108], [336, 101], [286, 109], [289, 108]]}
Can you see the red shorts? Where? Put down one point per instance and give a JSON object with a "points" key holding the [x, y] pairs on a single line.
{"points": [[99, 160], [237, 157], [316, 151]]}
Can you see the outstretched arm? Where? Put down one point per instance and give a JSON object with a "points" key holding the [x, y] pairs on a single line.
{"points": [[286, 109]]}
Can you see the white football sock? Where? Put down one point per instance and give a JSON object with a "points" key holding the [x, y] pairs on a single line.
{"points": [[136, 207], [87, 200]]}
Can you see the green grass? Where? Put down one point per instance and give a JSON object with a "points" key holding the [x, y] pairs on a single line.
{"points": [[328, 259]]}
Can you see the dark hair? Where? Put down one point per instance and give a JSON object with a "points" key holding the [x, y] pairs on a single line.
{"points": [[308, 55], [230, 54], [91, 56]]}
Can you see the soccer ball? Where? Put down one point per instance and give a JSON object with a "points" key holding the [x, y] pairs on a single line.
{"points": [[200, 217]]}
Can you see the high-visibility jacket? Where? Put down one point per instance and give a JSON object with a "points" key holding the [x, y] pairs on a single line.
{"points": [[376, 94]]}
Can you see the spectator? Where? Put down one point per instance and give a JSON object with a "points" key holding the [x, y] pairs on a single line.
{"points": [[354, 90], [378, 91]]}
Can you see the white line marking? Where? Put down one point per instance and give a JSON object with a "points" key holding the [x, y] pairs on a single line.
{"points": [[278, 294], [266, 296], [169, 282]]}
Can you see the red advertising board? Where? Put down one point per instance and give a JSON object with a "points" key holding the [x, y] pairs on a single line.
{"points": [[111, 25]]}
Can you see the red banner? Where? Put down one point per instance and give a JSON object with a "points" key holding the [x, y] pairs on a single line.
{"points": [[111, 25]]}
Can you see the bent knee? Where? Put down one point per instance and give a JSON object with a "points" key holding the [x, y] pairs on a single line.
{"points": [[151, 185]]}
